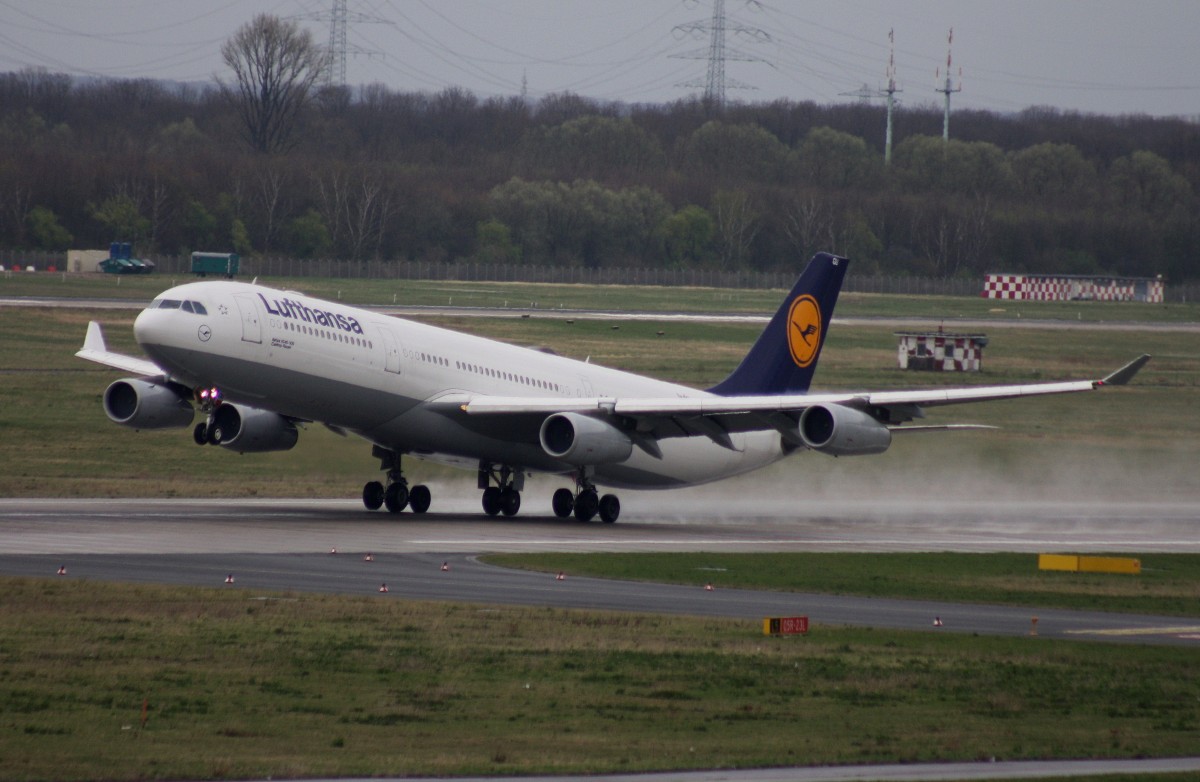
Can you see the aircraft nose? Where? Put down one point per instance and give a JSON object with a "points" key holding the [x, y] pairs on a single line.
{"points": [[143, 326]]}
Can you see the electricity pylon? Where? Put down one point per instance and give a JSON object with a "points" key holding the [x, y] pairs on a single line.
{"points": [[339, 18], [715, 82]]}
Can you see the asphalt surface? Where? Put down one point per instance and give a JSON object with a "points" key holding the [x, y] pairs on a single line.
{"points": [[289, 545]]}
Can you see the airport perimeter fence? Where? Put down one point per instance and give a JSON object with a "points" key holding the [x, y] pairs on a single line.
{"points": [[464, 271]]}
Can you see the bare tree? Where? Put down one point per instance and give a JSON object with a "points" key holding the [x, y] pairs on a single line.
{"points": [[276, 66]]}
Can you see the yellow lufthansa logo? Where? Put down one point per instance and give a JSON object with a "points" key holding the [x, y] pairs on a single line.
{"points": [[804, 330]]}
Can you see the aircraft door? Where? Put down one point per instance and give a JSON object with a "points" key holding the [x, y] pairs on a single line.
{"points": [[391, 350], [251, 325]]}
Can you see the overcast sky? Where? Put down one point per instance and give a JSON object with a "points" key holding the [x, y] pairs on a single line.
{"points": [[1100, 56]]}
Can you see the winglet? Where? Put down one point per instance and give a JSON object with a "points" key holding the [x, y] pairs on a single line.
{"points": [[1125, 373], [94, 341], [95, 349]]}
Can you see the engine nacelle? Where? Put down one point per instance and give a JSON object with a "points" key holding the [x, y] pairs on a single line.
{"points": [[583, 441], [843, 431], [250, 430], [144, 405]]}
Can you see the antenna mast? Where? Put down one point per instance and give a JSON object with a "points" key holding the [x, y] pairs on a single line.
{"points": [[948, 88], [866, 93]]}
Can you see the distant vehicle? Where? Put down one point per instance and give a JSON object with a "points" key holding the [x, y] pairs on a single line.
{"points": [[120, 260], [224, 264], [258, 362]]}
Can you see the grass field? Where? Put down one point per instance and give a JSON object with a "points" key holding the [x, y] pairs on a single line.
{"points": [[1134, 442], [1167, 584], [302, 685], [621, 298], [239, 685]]}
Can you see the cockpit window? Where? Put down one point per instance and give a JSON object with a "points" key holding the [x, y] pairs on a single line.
{"points": [[175, 304]]}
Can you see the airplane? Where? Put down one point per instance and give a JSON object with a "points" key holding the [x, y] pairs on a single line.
{"points": [[258, 362]]}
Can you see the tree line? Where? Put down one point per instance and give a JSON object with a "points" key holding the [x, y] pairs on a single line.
{"points": [[376, 174]]}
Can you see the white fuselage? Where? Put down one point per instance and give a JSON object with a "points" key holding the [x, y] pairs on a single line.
{"points": [[382, 378]]}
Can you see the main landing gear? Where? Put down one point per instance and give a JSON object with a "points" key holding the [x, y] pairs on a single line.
{"points": [[397, 496], [501, 485], [505, 495], [585, 502]]}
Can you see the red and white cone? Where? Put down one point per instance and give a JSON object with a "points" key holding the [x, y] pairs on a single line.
{"points": [[445, 567], [708, 587], [229, 579], [561, 576], [937, 621], [368, 558], [333, 550], [383, 588], [62, 570]]}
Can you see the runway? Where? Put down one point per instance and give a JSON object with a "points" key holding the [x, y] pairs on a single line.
{"points": [[286, 545]]}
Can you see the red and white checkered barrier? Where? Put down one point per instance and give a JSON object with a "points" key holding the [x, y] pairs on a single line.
{"points": [[1038, 287], [941, 352]]}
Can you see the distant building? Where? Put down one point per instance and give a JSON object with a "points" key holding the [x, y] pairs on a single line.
{"points": [[1072, 287], [937, 351]]}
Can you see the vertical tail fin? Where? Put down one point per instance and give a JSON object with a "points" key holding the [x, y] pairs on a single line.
{"points": [[784, 358]]}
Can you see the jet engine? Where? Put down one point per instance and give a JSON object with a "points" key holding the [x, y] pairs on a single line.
{"points": [[250, 430], [583, 440], [141, 404], [843, 431]]}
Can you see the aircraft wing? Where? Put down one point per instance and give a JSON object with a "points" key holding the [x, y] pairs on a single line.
{"points": [[95, 349], [667, 417]]}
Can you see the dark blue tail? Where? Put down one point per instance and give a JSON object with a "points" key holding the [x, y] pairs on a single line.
{"points": [[783, 359]]}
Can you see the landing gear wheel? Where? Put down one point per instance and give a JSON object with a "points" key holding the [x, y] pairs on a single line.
{"points": [[491, 500], [610, 508], [396, 497], [419, 498], [200, 433], [373, 495], [510, 502], [586, 505], [563, 503]]}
